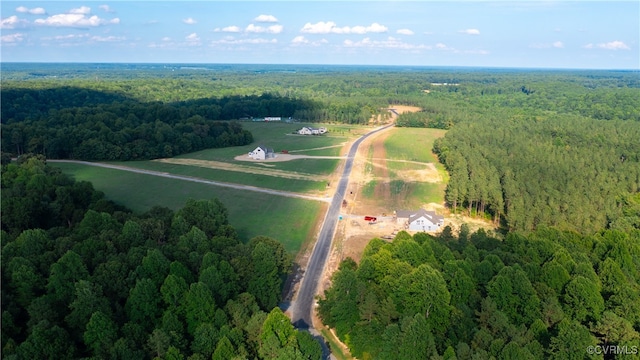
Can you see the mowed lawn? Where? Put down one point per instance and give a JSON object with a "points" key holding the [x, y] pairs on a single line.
{"points": [[288, 220], [278, 136], [414, 144], [235, 177]]}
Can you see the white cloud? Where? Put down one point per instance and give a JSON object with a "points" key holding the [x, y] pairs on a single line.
{"points": [[470, 31], [330, 27], [444, 47], [302, 41], [555, 44], [266, 18], [34, 11], [273, 29], [13, 22], [66, 37], [108, 38], [69, 39], [299, 40], [389, 43], [405, 32], [229, 29], [81, 10], [12, 38], [193, 37], [232, 41], [318, 28], [77, 19], [189, 21], [612, 45], [105, 8], [166, 38]]}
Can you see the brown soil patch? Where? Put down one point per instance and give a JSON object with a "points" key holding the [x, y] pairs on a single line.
{"points": [[401, 109]]}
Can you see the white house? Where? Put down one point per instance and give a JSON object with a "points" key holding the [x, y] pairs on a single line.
{"points": [[307, 130], [261, 153], [419, 220]]}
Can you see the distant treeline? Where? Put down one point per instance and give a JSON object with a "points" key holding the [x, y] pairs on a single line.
{"points": [[80, 123]]}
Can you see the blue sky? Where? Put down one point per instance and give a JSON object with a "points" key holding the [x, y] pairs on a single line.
{"points": [[538, 34]]}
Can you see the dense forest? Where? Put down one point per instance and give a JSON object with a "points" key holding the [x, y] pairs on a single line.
{"points": [[85, 278], [566, 171], [548, 294]]}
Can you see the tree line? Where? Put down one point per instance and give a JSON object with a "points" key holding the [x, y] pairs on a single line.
{"points": [[547, 294], [83, 277], [564, 171]]}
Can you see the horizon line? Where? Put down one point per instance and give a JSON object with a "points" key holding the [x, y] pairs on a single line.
{"points": [[316, 64]]}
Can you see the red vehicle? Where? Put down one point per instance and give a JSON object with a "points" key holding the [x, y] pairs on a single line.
{"points": [[370, 218]]}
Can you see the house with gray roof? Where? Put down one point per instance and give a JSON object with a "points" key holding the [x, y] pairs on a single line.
{"points": [[262, 153], [419, 220]]}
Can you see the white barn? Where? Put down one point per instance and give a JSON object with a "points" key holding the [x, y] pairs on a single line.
{"points": [[261, 153], [419, 220]]}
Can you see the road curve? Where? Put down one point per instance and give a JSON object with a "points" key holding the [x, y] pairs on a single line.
{"points": [[302, 308], [194, 179]]}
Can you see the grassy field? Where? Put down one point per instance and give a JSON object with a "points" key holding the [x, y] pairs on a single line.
{"points": [[273, 135], [286, 219], [279, 136], [414, 144], [264, 181]]}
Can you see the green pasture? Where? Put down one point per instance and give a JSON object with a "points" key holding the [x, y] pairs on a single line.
{"points": [[288, 220], [279, 137], [308, 166], [235, 177], [413, 144]]}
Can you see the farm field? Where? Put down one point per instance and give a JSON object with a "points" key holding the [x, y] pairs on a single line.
{"points": [[250, 213]]}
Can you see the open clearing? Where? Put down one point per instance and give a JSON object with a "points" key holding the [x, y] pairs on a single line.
{"points": [[251, 213], [393, 170], [289, 220]]}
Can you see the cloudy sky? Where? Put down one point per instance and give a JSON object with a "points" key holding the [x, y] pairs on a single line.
{"points": [[540, 34]]}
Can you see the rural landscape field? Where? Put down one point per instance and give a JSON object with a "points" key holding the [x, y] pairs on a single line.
{"points": [[504, 182], [304, 180]]}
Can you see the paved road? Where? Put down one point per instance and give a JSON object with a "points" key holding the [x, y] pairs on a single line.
{"points": [[194, 179], [302, 308]]}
